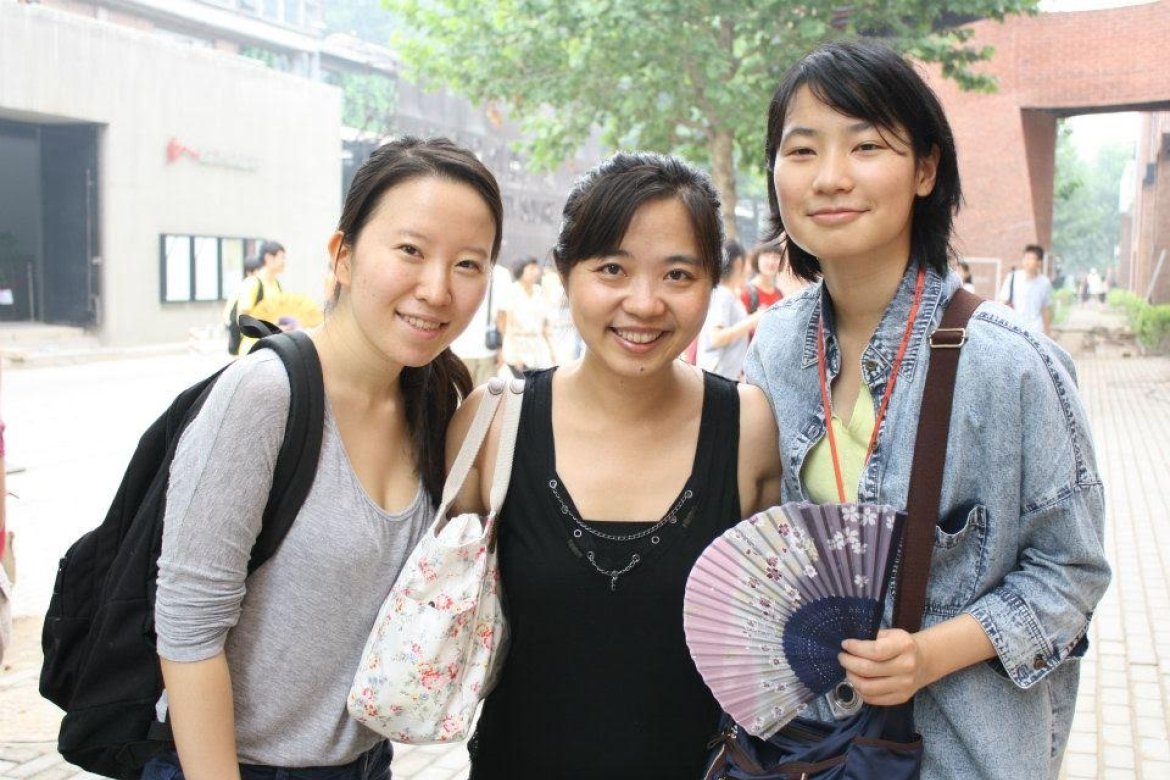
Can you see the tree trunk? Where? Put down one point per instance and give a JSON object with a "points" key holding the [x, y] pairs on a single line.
{"points": [[723, 176]]}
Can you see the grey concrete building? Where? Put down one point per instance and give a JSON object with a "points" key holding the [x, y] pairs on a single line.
{"points": [[138, 170], [148, 146]]}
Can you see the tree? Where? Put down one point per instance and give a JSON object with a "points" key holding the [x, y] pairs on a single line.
{"points": [[1086, 223], [691, 77]]}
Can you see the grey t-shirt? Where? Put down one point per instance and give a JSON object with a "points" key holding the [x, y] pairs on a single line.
{"points": [[293, 632]]}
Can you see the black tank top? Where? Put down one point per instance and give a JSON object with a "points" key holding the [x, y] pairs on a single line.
{"points": [[598, 682]]}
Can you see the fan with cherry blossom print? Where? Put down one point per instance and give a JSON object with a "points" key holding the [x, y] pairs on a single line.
{"points": [[769, 602]]}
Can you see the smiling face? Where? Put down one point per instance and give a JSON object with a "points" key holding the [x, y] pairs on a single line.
{"points": [[846, 188], [638, 308], [416, 274], [768, 263]]}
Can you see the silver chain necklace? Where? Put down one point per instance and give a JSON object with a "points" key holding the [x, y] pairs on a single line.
{"points": [[670, 517]]}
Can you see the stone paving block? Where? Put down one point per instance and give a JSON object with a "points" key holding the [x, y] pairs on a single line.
{"points": [[433, 773], [1080, 765], [18, 753], [1157, 749], [1117, 735], [1113, 663], [1109, 679], [1148, 708], [1115, 714], [1143, 673], [1082, 742], [1149, 691], [37, 765], [406, 766], [1152, 728], [1111, 695], [1118, 758], [1153, 770], [456, 759], [55, 773]]}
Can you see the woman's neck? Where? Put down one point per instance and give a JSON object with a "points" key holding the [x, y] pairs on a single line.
{"points": [[619, 397], [352, 363], [765, 283], [861, 293], [528, 287]]}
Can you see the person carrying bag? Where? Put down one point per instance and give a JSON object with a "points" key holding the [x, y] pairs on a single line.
{"points": [[876, 742], [439, 639]]}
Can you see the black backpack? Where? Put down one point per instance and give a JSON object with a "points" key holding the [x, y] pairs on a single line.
{"points": [[101, 664]]}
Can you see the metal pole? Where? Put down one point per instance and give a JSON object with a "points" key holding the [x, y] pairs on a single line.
{"points": [[1154, 277], [32, 299]]}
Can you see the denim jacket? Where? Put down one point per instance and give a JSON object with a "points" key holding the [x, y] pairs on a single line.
{"points": [[1018, 544]]}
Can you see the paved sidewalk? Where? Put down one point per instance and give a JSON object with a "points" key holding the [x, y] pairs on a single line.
{"points": [[1120, 730], [1121, 727]]}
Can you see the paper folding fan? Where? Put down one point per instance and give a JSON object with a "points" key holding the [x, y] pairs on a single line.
{"points": [[769, 602]]}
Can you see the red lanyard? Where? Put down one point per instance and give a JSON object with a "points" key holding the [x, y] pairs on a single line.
{"points": [[881, 413]]}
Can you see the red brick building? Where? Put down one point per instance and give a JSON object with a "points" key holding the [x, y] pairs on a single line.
{"points": [[1049, 66]]}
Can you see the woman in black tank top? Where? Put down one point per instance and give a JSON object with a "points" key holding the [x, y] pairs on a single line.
{"points": [[628, 463]]}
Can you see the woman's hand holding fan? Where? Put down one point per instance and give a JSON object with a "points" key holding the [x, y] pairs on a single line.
{"points": [[769, 602]]}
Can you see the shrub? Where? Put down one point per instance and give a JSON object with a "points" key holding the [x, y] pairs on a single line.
{"points": [[1151, 326]]}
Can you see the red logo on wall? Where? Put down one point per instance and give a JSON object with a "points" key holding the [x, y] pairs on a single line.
{"points": [[176, 149], [212, 158]]}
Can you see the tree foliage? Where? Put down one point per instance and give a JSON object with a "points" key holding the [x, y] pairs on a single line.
{"points": [[369, 102], [691, 77], [1086, 223]]}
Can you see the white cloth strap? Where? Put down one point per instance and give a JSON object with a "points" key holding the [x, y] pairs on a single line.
{"points": [[496, 391]]}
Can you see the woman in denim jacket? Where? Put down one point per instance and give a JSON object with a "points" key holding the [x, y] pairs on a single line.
{"points": [[864, 182]]}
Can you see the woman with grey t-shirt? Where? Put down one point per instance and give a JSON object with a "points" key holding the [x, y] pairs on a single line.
{"points": [[257, 667]]}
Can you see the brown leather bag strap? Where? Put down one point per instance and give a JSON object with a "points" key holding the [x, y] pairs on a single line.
{"points": [[930, 455]]}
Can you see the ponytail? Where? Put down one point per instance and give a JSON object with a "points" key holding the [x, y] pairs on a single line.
{"points": [[431, 394]]}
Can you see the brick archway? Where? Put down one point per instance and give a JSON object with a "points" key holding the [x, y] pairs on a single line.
{"points": [[1048, 66]]}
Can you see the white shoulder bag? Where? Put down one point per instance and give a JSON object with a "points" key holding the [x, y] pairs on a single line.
{"points": [[440, 637]]}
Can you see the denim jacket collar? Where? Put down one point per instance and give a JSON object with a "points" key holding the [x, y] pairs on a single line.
{"points": [[878, 357]]}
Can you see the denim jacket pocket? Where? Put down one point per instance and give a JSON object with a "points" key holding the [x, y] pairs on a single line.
{"points": [[958, 561]]}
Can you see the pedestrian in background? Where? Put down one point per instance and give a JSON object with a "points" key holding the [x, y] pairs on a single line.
{"points": [[628, 463], [965, 276], [1029, 292], [760, 292], [526, 321], [479, 346], [566, 342], [231, 309], [865, 183], [257, 668], [723, 341], [5, 556], [263, 283]]}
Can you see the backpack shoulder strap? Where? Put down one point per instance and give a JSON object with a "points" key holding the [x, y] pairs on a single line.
{"points": [[753, 298], [930, 455], [296, 463]]}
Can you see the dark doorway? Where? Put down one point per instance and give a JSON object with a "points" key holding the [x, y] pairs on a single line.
{"points": [[48, 223]]}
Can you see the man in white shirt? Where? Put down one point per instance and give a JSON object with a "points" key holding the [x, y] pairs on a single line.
{"points": [[1029, 292]]}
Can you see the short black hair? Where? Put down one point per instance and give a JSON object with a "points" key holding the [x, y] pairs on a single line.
{"points": [[733, 252], [269, 248], [1035, 249], [521, 264], [603, 201], [871, 81]]}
